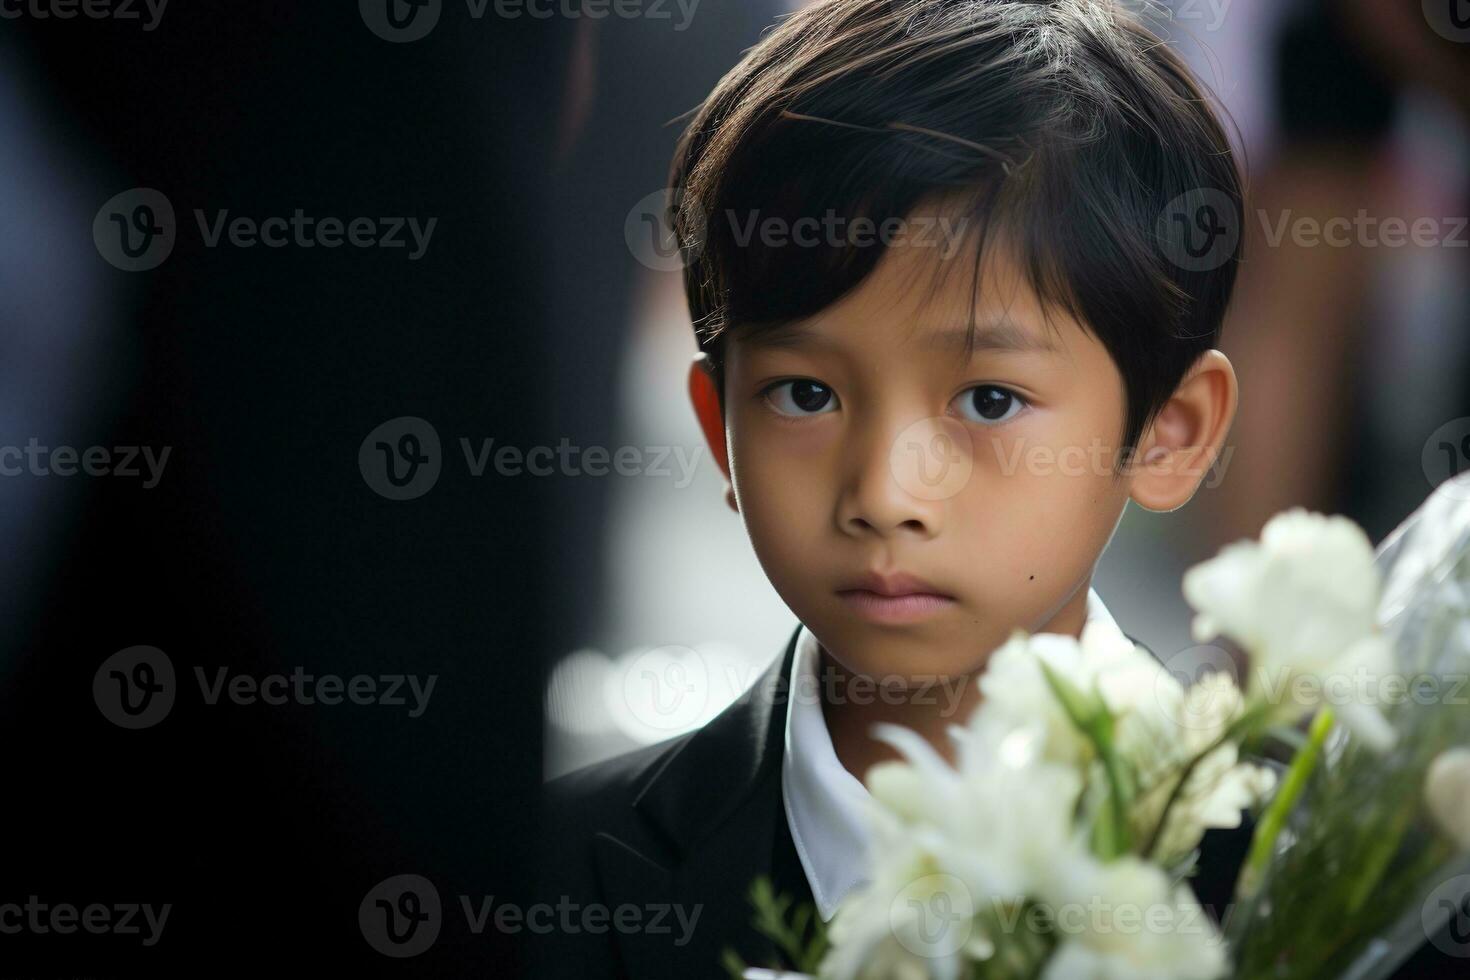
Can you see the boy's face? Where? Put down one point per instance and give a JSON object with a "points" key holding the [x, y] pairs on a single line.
{"points": [[866, 444]]}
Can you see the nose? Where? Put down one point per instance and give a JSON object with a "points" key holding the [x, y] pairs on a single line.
{"points": [[877, 497]]}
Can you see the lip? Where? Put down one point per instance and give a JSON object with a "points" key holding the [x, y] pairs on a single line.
{"points": [[893, 584], [895, 608], [894, 598]]}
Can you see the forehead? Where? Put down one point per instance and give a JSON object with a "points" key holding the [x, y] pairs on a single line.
{"points": [[923, 300]]}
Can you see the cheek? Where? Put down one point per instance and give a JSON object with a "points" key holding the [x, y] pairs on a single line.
{"points": [[1038, 502], [781, 486]]}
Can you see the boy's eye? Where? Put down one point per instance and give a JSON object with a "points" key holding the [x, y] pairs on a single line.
{"points": [[989, 404], [800, 397]]}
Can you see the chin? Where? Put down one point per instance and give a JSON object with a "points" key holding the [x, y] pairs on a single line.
{"points": [[913, 654]]}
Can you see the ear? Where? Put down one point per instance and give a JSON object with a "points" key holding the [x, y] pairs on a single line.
{"points": [[706, 401], [1185, 439]]}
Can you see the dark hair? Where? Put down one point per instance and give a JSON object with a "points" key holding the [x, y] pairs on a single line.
{"points": [[1067, 123]]}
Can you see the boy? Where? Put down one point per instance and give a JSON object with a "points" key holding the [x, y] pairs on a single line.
{"points": [[957, 269]]}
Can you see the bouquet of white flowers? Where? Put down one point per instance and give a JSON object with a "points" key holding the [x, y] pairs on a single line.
{"points": [[1366, 850], [1060, 842]]}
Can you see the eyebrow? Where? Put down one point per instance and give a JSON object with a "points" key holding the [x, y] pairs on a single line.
{"points": [[998, 333]]}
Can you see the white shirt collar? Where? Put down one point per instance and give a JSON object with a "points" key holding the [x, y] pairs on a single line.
{"points": [[825, 804]]}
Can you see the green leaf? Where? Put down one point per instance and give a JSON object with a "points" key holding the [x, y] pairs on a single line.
{"points": [[733, 964], [804, 941], [1112, 834], [1083, 709]]}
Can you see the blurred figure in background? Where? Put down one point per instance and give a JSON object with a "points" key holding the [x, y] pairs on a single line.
{"points": [[633, 80], [636, 546], [1353, 341]]}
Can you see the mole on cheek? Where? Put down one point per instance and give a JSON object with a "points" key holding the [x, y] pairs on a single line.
{"points": [[1031, 578]]}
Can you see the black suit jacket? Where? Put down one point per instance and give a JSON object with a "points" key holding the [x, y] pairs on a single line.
{"points": [[684, 826]]}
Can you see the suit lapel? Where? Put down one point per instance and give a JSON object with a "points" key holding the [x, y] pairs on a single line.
{"points": [[713, 804]]}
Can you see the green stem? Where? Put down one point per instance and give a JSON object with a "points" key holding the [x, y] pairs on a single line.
{"points": [[1240, 728], [1263, 843], [1117, 798], [1376, 862]]}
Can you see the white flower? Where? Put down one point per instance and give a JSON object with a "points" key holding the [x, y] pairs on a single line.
{"points": [[1301, 601], [945, 839], [866, 941], [1159, 728], [1159, 744], [954, 845], [1017, 694], [1123, 920], [1447, 794], [1000, 823]]}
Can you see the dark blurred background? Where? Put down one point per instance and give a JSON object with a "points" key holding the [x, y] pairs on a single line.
{"points": [[263, 548], [276, 538]]}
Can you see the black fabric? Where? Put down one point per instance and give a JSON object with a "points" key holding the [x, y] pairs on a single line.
{"points": [[788, 877], [787, 874], [689, 823]]}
